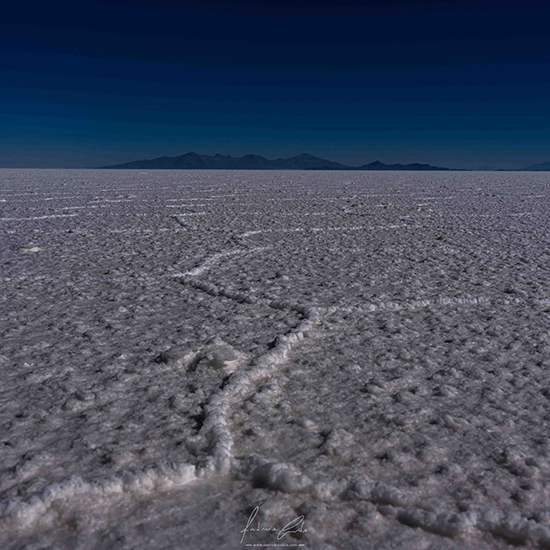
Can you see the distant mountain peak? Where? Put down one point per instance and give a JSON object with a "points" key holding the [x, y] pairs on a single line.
{"points": [[543, 166]]}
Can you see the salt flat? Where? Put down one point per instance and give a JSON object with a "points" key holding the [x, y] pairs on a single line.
{"points": [[367, 350]]}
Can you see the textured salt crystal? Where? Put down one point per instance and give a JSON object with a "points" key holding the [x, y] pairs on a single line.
{"points": [[281, 477]]}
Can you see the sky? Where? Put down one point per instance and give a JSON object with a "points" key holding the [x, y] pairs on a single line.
{"points": [[457, 84]]}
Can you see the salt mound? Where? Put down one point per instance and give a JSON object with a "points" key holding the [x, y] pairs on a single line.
{"points": [[29, 248], [217, 355]]}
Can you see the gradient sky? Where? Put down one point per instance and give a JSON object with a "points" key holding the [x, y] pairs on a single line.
{"points": [[458, 84]]}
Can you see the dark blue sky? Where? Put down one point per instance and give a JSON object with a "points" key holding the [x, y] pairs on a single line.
{"points": [[458, 84]]}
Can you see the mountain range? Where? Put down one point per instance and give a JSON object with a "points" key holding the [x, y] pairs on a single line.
{"points": [[544, 166], [194, 161]]}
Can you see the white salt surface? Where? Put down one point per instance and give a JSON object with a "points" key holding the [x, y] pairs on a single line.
{"points": [[365, 354]]}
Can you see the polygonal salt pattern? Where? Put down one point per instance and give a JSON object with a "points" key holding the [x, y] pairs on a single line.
{"points": [[368, 350]]}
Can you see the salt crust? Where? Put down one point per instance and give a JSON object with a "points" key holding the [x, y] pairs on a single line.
{"points": [[273, 475], [277, 476]]}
